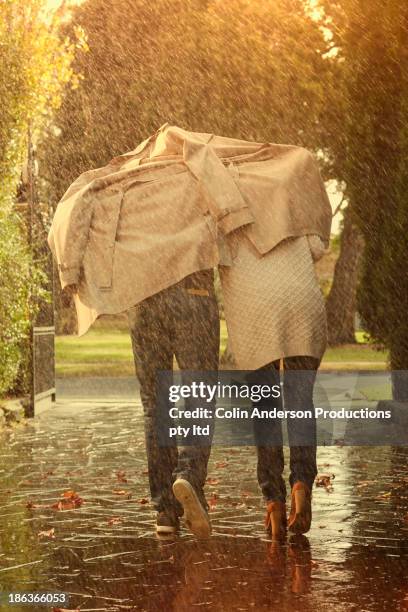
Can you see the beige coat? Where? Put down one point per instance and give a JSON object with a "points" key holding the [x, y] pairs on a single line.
{"points": [[152, 216], [273, 304]]}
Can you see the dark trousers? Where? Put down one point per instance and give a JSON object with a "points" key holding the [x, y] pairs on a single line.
{"points": [[298, 382], [182, 321]]}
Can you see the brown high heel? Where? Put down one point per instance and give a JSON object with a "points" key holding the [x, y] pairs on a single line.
{"points": [[300, 517], [275, 519]]}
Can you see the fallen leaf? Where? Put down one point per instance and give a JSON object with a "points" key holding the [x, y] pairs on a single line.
{"points": [[116, 520], [121, 476], [70, 501], [324, 480], [212, 502], [212, 481], [142, 500], [221, 464], [69, 494], [47, 534]]}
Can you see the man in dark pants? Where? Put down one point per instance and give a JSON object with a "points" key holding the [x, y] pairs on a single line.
{"points": [[181, 321]]}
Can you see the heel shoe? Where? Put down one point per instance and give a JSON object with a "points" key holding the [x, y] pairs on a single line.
{"points": [[275, 519], [300, 517]]}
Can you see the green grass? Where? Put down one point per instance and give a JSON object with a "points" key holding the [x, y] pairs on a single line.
{"points": [[375, 393], [104, 351]]}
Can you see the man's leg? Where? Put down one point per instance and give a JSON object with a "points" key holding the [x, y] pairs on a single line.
{"points": [[197, 336], [150, 327]]}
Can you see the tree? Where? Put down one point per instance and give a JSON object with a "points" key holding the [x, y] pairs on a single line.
{"points": [[341, 304], [246, 68], [371, 36]]}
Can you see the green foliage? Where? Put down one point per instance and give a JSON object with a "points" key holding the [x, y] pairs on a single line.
{"points": [[371, 37], [20, 282], [34, 64]]}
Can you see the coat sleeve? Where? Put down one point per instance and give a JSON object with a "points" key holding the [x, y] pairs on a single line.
{"points": [[316, 246], [225, 201], [69, 231]]}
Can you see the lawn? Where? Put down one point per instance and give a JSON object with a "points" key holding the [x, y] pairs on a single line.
{"points": [[104, 351]]}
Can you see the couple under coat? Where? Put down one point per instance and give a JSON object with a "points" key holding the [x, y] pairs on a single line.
{"points": [[144, 234]]}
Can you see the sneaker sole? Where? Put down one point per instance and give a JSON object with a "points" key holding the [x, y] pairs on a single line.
{"points": [[165, 529], [194, 514]]}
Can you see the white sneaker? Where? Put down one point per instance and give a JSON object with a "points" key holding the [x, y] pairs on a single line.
{"points": [[195, 515]]}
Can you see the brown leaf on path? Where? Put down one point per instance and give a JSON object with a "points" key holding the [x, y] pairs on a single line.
{"points": [[212, 481], [212, 502], [324, 480], [221, 464], [69, 494], [142, 500], [121, 476], [47, 534], [70, 500], [116, 520]]}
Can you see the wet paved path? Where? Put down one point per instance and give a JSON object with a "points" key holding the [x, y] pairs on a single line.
{"points": [[105, 554]]}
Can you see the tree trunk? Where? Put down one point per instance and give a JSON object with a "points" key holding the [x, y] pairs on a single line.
{"points": [[341, 302]]}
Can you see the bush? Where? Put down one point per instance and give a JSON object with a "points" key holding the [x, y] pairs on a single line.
{"points": [[35, 65], [16, 303]]}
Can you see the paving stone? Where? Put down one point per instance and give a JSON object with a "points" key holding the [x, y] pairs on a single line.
{"points": [[104, 552]]}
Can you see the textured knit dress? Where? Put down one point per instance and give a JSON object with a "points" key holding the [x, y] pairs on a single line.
{"points": [[274, 307]]}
